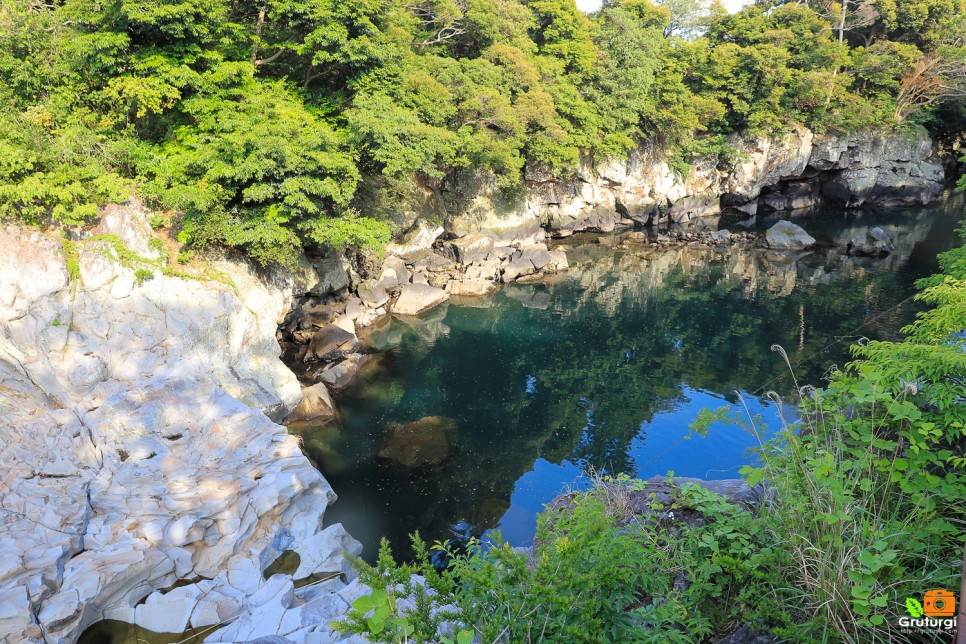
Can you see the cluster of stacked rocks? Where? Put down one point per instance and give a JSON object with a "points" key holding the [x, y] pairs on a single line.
{"points": [[320, 335]]}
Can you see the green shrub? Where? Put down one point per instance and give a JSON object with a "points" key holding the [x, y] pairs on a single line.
{"points": [[870, 486], [598, 573]]}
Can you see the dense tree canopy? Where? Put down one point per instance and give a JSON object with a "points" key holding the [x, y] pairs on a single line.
{"points": [[256, 122]]}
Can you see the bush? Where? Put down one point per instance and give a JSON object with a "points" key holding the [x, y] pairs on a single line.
{"points": [[598, 573], [870, 486]]}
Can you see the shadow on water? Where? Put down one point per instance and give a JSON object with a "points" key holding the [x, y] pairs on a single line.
{"points": [[483, 411]]}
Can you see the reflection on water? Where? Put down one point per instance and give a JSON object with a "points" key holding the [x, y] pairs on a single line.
{"points": [[484, 410]]}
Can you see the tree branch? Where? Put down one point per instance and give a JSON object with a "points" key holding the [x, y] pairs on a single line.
{"points": [[271, 58]]}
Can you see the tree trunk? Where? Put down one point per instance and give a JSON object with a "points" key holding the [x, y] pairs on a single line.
{"points": [[258, 37], [845, 8]]}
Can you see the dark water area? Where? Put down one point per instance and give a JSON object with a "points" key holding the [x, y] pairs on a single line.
{"points": [[478, 413]]}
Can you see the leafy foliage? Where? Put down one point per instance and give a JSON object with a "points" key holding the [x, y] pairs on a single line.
{"points": [[256, 122], [870, 487], [596, 574]]}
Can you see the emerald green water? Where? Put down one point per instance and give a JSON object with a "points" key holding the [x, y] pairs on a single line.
{"points": [[605, 366]]}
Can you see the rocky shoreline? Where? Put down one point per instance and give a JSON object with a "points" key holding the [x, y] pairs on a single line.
{"points": [[147, 479], [323, 337]]}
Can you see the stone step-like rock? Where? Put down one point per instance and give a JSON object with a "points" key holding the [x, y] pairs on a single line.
{"points": [[416, 298]]}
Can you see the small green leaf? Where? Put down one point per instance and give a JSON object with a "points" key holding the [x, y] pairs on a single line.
{"points": [[914, 607], [375, 625], [379, 597], [363, 604]]}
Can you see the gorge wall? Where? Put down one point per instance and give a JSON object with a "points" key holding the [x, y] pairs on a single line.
{"points": [[467, 233], [792, 172]]}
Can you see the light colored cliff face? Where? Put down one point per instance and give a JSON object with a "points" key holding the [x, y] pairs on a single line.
{"points": [[797, 170], [137, 451]]}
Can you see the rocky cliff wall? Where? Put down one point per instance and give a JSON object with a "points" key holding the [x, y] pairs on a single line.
{"points": [[143, 477], [798, 170]]}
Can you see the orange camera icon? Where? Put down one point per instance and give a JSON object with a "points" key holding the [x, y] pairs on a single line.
{"points": [[939, 603]]}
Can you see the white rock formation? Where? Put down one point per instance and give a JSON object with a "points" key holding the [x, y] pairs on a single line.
{"points": [[136, 448]]}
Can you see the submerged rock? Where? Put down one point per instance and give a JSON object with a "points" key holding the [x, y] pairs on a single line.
{"points": [[339, 376], [788, 236], [419, 443], [316, 403]]}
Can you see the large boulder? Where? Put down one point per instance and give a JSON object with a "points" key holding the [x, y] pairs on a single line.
{"points": [[420, 237], [788, 236], [373, 293], [333, 272], [394, 273], [416, 298], [874, 242], [315, 315], [528, 261], [470, 248]]}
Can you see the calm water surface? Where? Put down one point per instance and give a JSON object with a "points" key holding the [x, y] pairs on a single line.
{"points": [[603, 366]]}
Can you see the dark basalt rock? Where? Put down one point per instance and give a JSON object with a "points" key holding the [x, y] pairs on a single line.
{"points": [[331, 343]]}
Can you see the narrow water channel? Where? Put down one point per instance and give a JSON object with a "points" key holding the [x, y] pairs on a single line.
{"points": [[504, 401]]}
